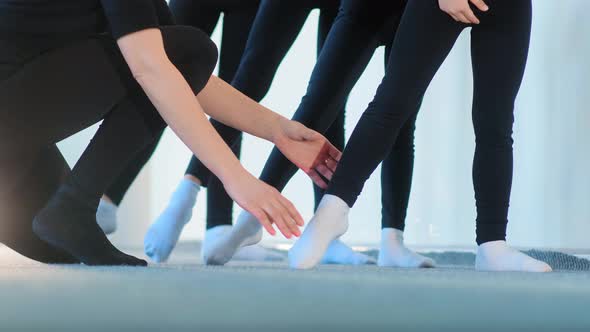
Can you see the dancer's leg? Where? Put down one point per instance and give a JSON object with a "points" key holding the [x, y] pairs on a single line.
{"points": [[414, 62], [499, 52]]}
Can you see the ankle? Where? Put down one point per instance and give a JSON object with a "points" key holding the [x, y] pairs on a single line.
{"points": [[193, 179], [392, 236]]}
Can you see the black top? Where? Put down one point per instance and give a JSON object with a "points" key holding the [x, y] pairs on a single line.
{"points": [[81, 17]]}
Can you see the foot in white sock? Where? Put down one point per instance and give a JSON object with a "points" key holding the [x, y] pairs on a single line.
{"points": [[340, 253], [329, 223], [106, 216], [250, 253], [162, 236], [246, 232], [498, 256], [393, 252]]}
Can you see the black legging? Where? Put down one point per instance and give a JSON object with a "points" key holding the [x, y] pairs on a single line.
{"points": [[499, 48], [275, 29], [53, 89], [361, 27], [204, 14]]}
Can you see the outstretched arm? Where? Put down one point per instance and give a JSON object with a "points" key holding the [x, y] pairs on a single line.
{"points": [[307, 149], [175, 101]]}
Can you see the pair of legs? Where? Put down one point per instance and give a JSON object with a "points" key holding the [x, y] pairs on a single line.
{"points": [[274, 31], [358, 30], [425, 37], [76, 84]]}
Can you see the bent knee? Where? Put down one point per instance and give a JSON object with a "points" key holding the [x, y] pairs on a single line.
{"points": [[192, 52]]}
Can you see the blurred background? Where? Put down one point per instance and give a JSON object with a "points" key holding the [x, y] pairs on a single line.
{"points": [[551, 192]]}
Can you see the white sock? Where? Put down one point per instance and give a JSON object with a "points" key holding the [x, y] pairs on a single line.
{"points": [[106, 216], [329, 223], [393, 252], [340, 253], [246, 232], [498, 256], [250, 253], [163, 234]]}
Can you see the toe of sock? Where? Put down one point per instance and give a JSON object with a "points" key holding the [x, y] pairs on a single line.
{"points": [[301, 260], [427, 263], [362, 259], [215, 260], [534, 265], [300, 264], [134, 261]]}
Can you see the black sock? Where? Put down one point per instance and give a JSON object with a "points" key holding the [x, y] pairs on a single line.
{"points": [[68, 221]]}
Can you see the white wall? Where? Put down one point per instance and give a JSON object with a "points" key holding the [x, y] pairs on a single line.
{"points": [[549, 206]]}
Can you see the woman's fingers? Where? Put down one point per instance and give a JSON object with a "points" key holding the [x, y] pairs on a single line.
{"points": [[324, 171], [293, 229], [481, 5], [334, 153], [471, 16], [278, 219], [332, 164], [295, 215], [453, 16], [462, 18], [264, 221], [317, 179]]}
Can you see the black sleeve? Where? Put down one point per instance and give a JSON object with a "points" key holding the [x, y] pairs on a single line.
{"points": [[128, 16]]}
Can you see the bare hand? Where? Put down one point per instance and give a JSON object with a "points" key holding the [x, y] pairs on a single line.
{"points": [[265, 203], [460, 11], [308, 150]]}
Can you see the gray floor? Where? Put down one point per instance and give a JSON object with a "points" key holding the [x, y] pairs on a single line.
{"points": [[185, 295]]}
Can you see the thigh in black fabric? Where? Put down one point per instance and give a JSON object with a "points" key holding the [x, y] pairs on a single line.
{"points": [[274, 31], [237, 24], [58, 94], [328, 13]]}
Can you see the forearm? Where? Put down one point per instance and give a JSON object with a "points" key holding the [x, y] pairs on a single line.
{"points": [[175, 101], [234, 109]]}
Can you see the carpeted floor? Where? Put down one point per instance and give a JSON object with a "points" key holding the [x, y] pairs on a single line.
{"points": [[187, 296]]}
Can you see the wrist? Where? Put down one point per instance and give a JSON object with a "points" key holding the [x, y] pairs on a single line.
{"points": [[277, 134], [230, 172]]}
